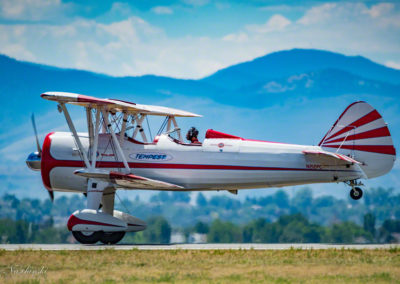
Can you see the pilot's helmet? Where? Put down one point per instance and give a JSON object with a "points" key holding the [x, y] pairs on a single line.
{"points": [[193, 132]]}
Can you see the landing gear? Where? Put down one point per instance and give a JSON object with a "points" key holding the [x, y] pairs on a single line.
{"points": [[356, 193], [87, 238], [90, 238], [111, 238]]}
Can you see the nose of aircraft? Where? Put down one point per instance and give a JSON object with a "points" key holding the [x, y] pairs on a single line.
{"points": [[33, 161]]}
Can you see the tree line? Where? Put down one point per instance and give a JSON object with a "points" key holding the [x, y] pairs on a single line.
{"points": [[293, 228], [273, 218]]}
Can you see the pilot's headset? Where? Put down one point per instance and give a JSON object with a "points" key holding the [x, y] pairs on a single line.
{"points": [[193, 132]]}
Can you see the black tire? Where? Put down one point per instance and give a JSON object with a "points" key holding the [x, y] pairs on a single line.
{"points": [[356, 193], [111, 238], [87, 238]]}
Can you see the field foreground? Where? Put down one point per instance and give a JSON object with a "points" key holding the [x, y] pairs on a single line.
{"points": [[222, 266]]}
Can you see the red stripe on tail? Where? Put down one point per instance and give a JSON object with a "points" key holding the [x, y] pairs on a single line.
{"points": [[370, 117], [379, 149], [374, 133]]}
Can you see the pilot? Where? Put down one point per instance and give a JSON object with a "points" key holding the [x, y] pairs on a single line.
{"points": [[192, 135]]}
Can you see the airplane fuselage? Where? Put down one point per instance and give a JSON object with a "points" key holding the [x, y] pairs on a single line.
{"points": [[216, 164]]}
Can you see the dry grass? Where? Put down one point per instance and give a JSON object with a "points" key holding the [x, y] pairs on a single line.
{"points": [[191, 266]]}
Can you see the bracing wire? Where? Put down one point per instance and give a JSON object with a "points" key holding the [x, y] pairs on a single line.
{"points": [[123, 204], [163, 125]]}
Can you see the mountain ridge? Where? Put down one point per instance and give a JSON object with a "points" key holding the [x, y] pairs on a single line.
{"points": [[302, 60], [241, 85]]}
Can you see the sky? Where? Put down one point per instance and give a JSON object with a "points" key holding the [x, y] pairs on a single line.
{"points": [[191, 38]]}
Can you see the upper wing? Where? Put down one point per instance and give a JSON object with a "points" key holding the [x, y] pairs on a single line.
{"points": [[114, 105], [127, 180], [329, 158]]}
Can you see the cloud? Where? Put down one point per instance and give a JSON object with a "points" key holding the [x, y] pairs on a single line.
{"points": [[274, 24], [380, 10], [318, 14], [239, 37], [122, 44], [33, 10], [196, 3], [162, 10], [392, 64], [17, 50]]}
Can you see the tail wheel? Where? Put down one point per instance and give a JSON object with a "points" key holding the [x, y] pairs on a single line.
{"points": [[87, 238], [111, 238], [356, 193]]}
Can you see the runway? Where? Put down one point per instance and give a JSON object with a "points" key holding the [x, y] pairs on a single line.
{"points": [[55, 247]]}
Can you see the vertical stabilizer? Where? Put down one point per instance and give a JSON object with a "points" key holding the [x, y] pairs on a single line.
{"points": [[361, 133]]}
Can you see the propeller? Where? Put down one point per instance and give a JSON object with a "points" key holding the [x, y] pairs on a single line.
{"points": [[36, 135], [51, 195], [39, 151]]}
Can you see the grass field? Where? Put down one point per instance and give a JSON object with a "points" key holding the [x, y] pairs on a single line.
{"points": [[191, 266]]}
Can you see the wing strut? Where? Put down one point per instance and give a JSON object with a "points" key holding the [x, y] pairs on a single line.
{"points": [[73, 130], [123, 128], [89, 125], [96, 139], [139, 128]]}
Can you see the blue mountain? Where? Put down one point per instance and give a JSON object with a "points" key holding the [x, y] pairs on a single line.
{"points": [[259, 83], [286, 63]]}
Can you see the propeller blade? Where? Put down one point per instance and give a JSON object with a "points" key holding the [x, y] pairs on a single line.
{"points": [[36, 135], [51, 194]]}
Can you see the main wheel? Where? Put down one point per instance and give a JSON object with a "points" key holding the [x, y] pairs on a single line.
{"points": [[87, 238], [111, 238], [356, 193]]}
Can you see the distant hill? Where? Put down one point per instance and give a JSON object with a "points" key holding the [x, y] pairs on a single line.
{"points": [[256, 84], [286, 63]]}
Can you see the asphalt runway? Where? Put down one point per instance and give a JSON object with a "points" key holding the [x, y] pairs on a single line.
{"points": [[12, 247]]}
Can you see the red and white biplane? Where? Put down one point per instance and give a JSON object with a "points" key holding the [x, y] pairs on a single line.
{"points": [[115, 153]]}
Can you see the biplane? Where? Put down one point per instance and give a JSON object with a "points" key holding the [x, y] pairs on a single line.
{"points": [[115, 153]]}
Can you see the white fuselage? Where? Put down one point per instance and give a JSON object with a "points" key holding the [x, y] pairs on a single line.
{"points": [[217, 164]]}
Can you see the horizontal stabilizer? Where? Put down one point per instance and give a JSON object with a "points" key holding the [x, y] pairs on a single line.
{"points": [[328, 157], [127, 180]]}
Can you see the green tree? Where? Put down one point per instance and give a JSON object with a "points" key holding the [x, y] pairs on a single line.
{"points": [[201, 228], [297, 229], [388, 228], [281, 199], [347, 232], [302, 201], [158, 230], [224, 232], [369, 223]]}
